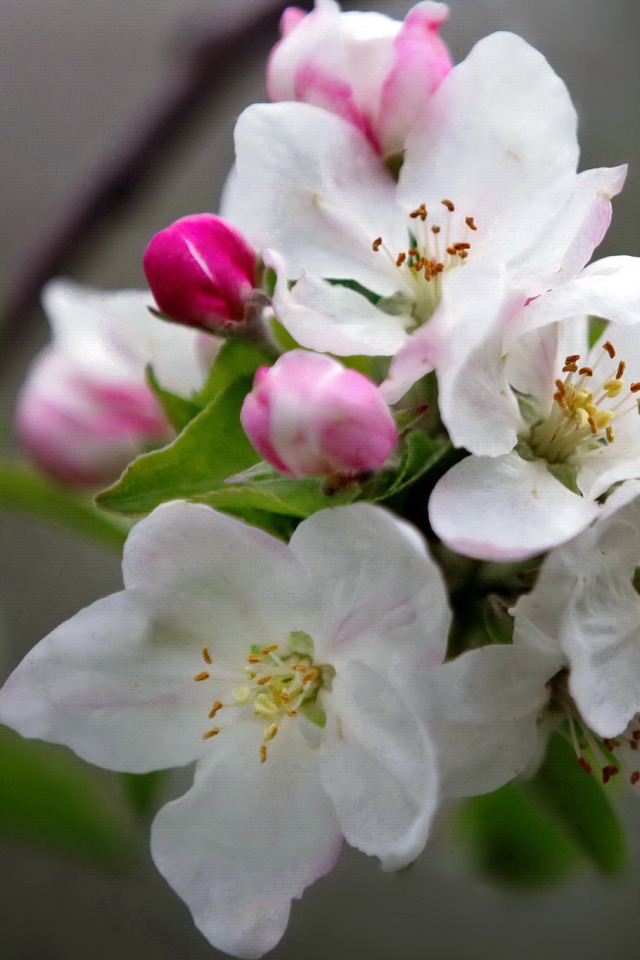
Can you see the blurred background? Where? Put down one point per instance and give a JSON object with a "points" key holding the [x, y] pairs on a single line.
{"points": [[79, 79]]}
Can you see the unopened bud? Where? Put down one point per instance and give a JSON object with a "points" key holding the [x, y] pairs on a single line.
{"points": [[202, 272], [373, 71], [309, 415]]}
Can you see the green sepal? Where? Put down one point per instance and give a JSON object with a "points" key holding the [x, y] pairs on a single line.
{"points": [[597, 326], [212, 447], [420, 453]]}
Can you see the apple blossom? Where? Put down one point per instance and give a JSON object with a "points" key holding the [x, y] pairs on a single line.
{"points": [[488, 212], [371, 70], [309, 415], [287, 672], [552, 422], [202, 272], [85, 409], [585, 611]]}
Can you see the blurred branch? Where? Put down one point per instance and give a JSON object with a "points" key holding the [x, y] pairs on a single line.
{"points": [[211, 54]]}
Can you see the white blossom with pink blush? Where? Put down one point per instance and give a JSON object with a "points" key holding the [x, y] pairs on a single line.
{"points": [[202, 273], [289, 673], [551, 422], [374, 72], [309, 415], [488, 212], [85, 410]]}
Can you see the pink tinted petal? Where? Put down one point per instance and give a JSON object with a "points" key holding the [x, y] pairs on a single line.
{"points": [[421, 62], [505, 508], [247, 838], [312, 416], [290, 18]]}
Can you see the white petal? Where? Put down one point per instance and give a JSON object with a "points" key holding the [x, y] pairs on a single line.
{"points": [[476, 403], [378, 768], [332, 318], [116, 683], [567, 242], [247, 839], [382, 599], [505, 508], [608, 288], [481, 711], [309, 185], [498, 138], [192, 549], [600, 639]]}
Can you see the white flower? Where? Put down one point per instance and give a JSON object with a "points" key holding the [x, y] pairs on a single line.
{"points": [[575, 659], [488, 205], [553, 423], [287, 672], [85, 409]]}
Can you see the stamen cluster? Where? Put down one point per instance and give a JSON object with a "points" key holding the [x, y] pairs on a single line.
{"points": [[274, 688], [578, 417]]}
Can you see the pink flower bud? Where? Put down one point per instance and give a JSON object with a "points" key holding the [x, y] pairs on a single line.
{"points": [[373, 71], [85, 410], [309, 415], [201, 272]]}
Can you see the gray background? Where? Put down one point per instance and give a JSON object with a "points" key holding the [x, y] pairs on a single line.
{"points": [[73, 74]]}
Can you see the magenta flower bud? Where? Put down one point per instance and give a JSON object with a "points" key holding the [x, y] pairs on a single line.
{"points": [[375, 72], [201, 272], [309, 415]]}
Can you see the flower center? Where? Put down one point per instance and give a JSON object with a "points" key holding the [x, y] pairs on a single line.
{"points": [[590, 749], [584, 411], [276, 683], [431, 252]]}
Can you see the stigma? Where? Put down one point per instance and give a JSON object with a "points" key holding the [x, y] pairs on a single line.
{"points": [[274, 683], [431, 252], [586, 405]]}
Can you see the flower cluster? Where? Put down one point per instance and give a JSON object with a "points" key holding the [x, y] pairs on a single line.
{"points": [[394, 308]]}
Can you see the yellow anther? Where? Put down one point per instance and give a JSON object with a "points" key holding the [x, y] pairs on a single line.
{"points": [[254, 658], [211, 733], [242, 694], [267, 650], [265, 706], [261, 682], [269, 731], [201, 676], [205, 655], [214, 709], [603, 418], [610, 434], [613, 387], [263, 754], [581, 416]]}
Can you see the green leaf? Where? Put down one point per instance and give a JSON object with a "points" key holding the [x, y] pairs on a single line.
{"points": [[141, 791], [235, 360], [210, 449], [179, 411], [536, 831], [24, 491], [295, 498], [510, 841], [49, 797], [580, 804]]}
